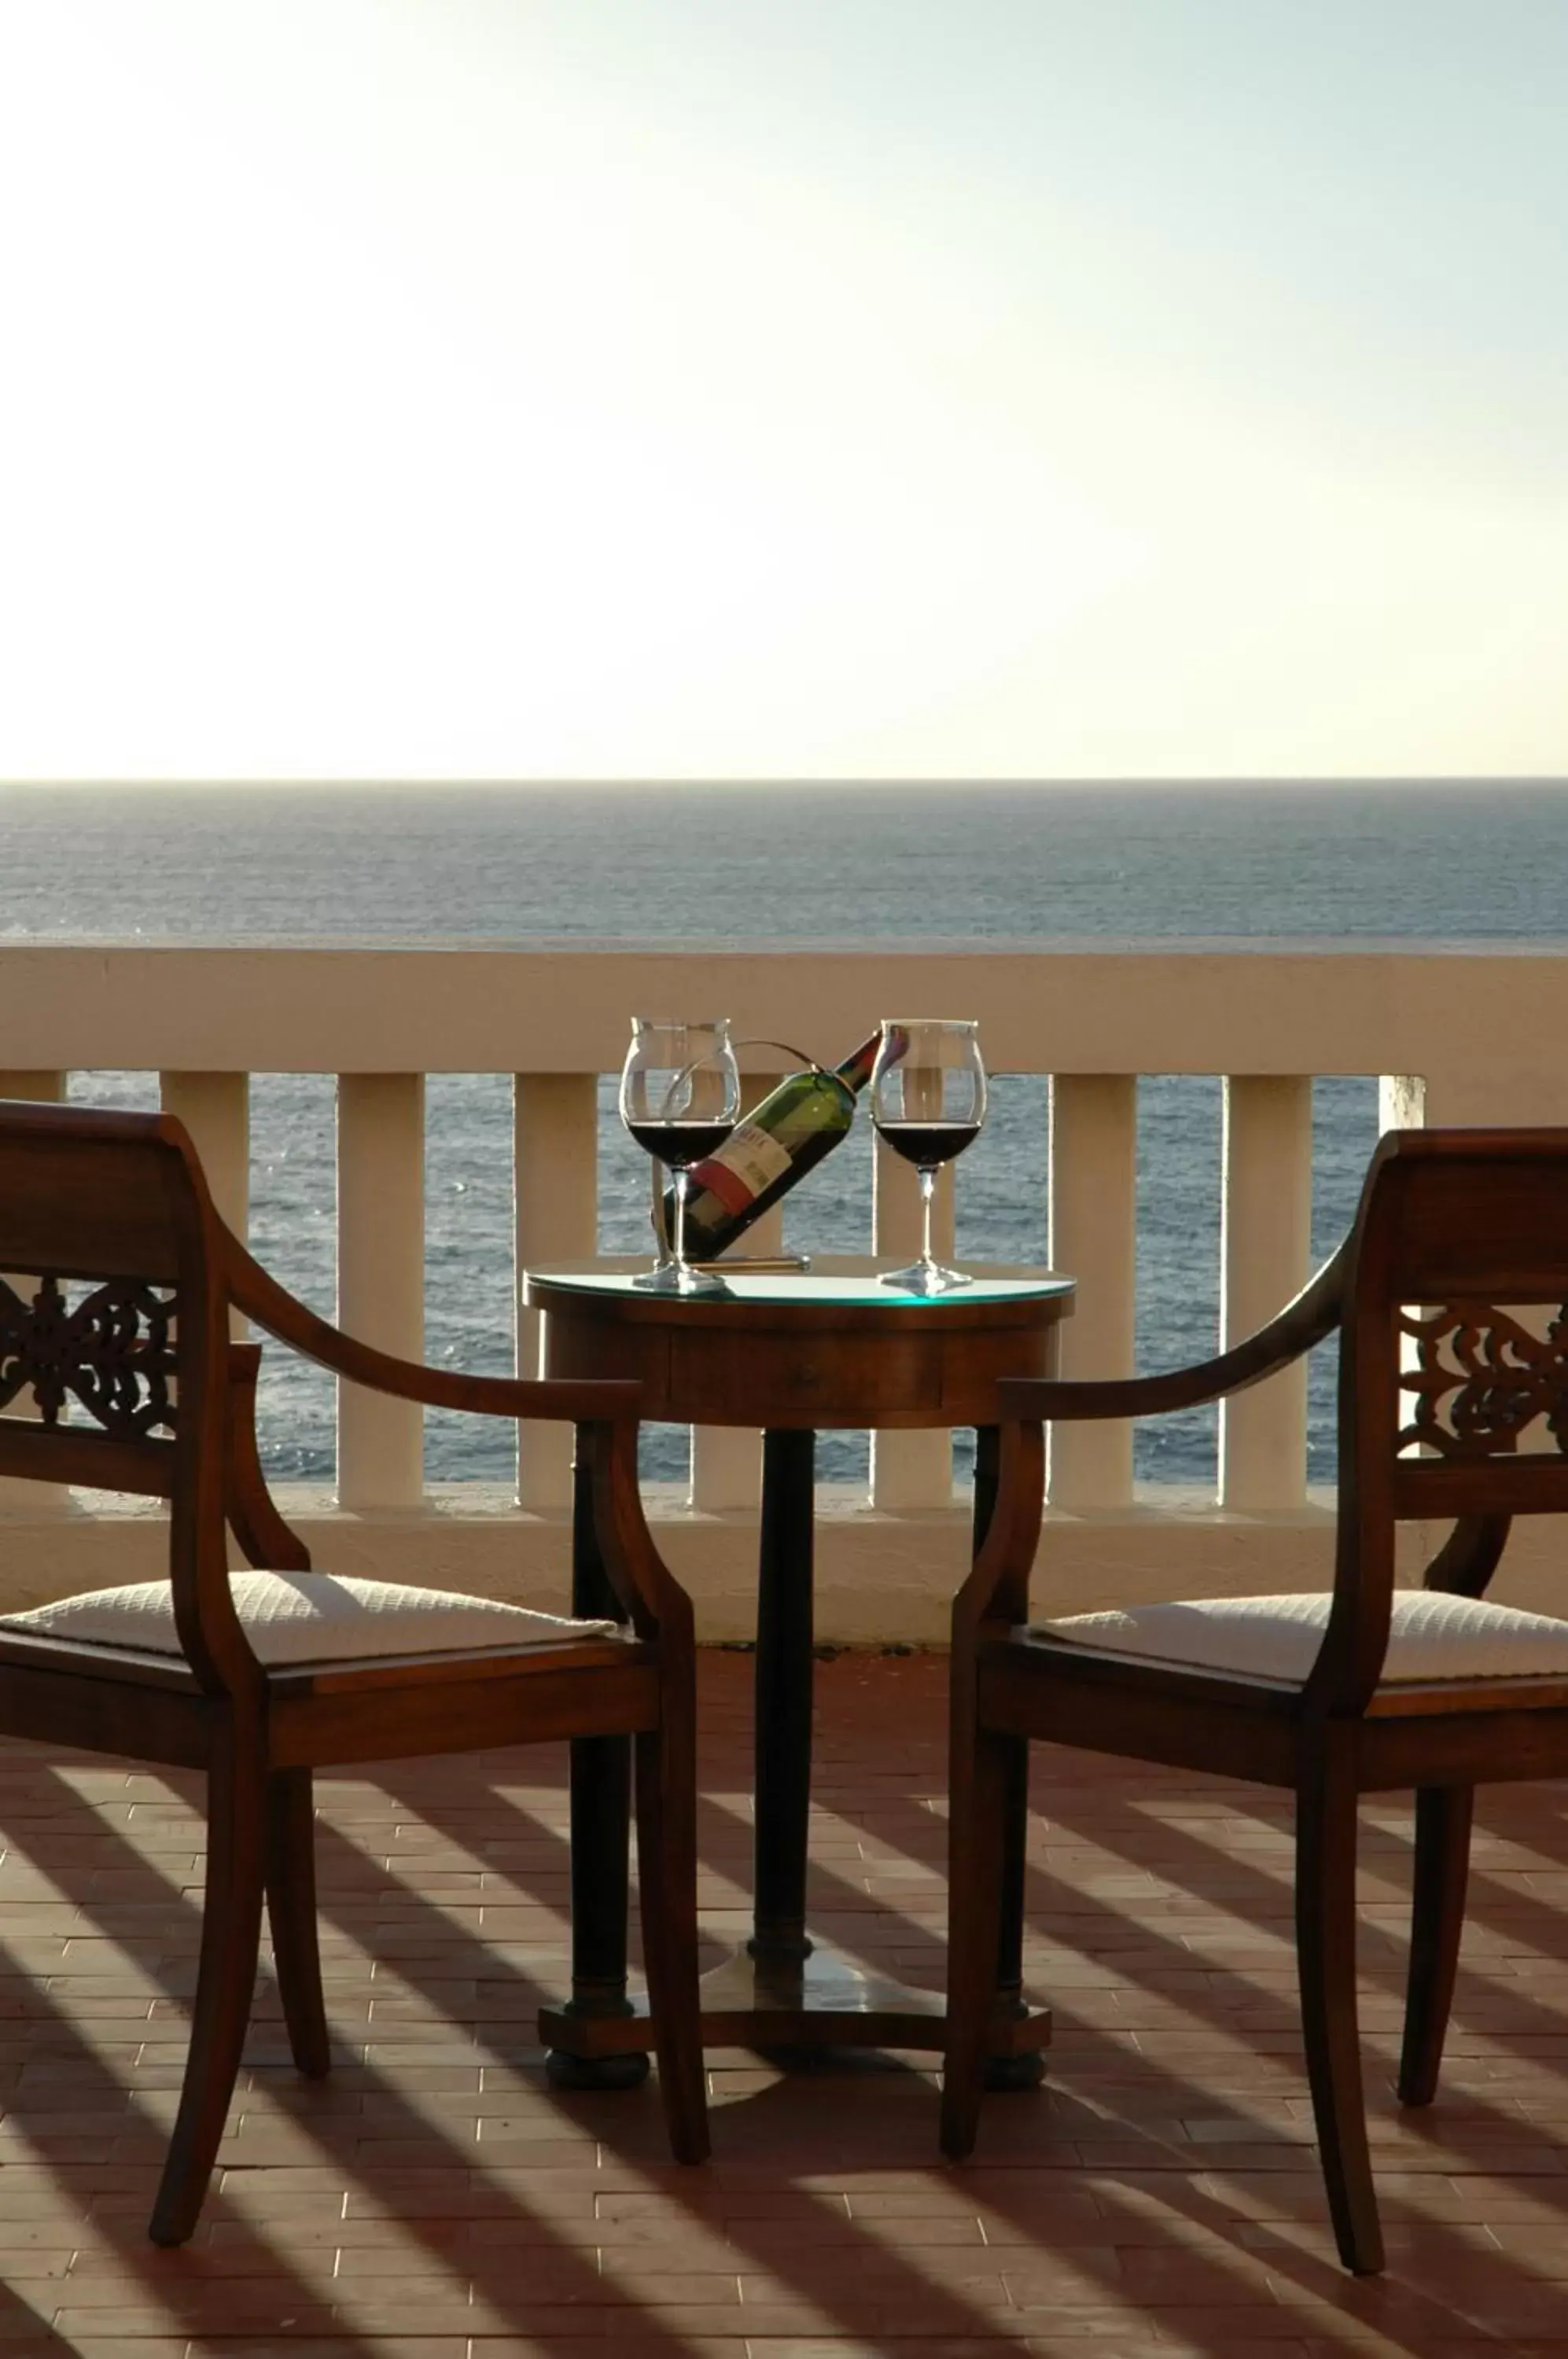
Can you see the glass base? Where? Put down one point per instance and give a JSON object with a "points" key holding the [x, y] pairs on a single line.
{"points": [[680, 1277], [925, 1278]]}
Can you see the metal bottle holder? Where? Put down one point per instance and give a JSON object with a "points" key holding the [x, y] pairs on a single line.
{"points": [[656, 1170]]}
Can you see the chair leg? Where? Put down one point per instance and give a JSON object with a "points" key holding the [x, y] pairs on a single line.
{"points": [[231, 1938], [1325, 1950], [292, 1910], [977, 1813], [666, 1772], [1437, 1917]]}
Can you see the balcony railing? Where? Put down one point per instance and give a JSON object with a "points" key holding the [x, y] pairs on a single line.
{"points": [[1452, 1036]]}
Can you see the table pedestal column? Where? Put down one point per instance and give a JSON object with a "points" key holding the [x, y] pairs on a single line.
{"points": [[783, 1693]]}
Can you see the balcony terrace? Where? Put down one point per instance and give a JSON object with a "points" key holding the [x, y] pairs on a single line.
{"points": [[432, 2198], [1160, 2198]]}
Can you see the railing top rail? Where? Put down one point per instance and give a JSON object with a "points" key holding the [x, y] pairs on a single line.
{"points": [[1166, 1007]]}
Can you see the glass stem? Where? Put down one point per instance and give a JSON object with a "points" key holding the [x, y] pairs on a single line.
{"points": [[681, 1178], [928, 1197]]}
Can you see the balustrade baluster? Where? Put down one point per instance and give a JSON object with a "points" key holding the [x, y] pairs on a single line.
{"points": [[1093, 1185], [909, 1471], [215, 1110], [17, 1497], [381, 1280], [556, 1161], [1265, 1247], [1401, 1101]]}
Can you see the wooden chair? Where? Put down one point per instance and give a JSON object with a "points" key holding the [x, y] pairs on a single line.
{"points": [[1365, 1689], [261, 1677]]}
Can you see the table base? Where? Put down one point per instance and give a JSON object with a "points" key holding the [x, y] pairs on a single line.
{"points": [[823, 2003], [782, 1997]]}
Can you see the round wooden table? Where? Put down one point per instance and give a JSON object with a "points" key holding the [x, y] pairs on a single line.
{"points": [[792, 1355]]}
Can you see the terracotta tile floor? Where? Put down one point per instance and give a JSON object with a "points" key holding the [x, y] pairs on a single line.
{"points": [[433, 2200]]}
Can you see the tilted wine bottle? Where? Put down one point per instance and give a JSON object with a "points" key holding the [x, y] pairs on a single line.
{"points": [[782, 1138]]}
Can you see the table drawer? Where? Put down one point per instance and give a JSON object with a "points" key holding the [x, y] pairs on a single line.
{"points": [[831, 1379]]}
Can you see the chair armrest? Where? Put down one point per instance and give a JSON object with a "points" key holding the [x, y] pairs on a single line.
{"points": [[998, 1584], [266, 1542], [1313, 1315], [653, 1600], [259, 1295], [996, 1592]]}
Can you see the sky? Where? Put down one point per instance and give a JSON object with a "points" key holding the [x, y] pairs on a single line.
{"points": [[783, 388]]}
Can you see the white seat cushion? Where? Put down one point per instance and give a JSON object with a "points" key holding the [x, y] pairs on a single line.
{"points": [[1432, 1636], [310, 1618]]}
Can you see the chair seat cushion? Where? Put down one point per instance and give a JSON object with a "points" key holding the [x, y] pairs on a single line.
{"points": [[310, 1618], [1432, 1636]]}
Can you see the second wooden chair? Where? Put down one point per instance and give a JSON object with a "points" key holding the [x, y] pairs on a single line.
{"points": [[1442, 1377]]}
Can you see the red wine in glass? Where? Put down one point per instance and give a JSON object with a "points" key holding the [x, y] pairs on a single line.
{"points": [[679, 1145], [928, 1144], [928, 1101], [680, 1100]]}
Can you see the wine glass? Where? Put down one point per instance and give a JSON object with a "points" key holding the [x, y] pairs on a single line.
{"points": [[928, 1101], [681, 1100]]}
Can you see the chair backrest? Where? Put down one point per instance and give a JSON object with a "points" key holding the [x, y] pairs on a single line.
{"points": [[114, 1335], [1456, 1326], [1453, 1368]]}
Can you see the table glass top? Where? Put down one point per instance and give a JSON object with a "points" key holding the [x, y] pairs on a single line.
{"points": [[832, 1279]]}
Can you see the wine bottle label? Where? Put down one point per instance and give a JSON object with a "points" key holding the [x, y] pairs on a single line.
{"points": [[750, 1160]]}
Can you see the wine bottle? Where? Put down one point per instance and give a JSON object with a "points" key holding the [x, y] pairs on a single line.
{"points": [[782, 1138]]}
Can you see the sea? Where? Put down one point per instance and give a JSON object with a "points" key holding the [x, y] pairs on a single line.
{"points": [[741, 865]]}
